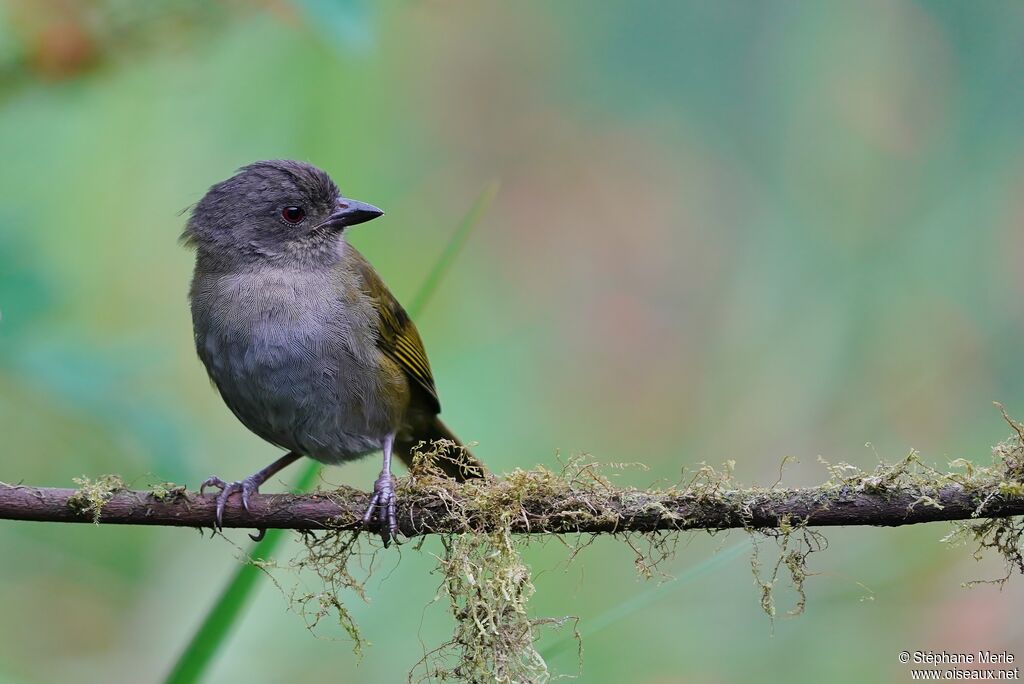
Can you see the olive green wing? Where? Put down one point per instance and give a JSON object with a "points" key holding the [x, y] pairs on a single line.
{"points": [[397, 336]]}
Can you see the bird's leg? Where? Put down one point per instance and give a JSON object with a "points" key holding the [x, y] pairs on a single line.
{"points": [[248, 486], [382, 505]]}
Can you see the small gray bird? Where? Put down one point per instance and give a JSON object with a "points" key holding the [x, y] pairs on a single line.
{"points": [[300, 335]]}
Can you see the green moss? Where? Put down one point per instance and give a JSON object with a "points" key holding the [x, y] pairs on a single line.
{"points": [[487, 586], [328, 555], [796, 542], [93, 495], [1004, 536], [484, 578], [167, 491]]}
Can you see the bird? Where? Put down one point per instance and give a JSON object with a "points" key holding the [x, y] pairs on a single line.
{"points": [[301, 337]]}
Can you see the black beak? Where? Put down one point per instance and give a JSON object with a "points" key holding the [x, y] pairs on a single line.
{"points": [[351, 212]]}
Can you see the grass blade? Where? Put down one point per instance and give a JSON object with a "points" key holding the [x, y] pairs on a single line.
{"points": [[452, 249], [224, 613], [645, 598]]}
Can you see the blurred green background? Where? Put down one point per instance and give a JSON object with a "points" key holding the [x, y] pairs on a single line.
{"points": [[726, 230]]}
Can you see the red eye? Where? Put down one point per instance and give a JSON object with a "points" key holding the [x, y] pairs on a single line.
{"points": [[293, 214]]}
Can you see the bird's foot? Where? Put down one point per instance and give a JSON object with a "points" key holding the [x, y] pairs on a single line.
{"points": [[247, 487], [382, 508]]}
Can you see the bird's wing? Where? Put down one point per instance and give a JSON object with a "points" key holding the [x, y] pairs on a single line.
{"points": [[397, 336]]}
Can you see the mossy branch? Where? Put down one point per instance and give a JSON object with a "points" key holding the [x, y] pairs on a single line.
{"points": [[542, 502], [484, 522]]}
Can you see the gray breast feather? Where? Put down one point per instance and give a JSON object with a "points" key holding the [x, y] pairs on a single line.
{"points": [[296, 364]]}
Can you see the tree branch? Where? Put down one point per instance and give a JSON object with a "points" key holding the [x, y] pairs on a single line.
{"points": [[448, 507]]}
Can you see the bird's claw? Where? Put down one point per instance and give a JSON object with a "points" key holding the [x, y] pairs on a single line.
{"points": [[382, 508], [247, 487]]}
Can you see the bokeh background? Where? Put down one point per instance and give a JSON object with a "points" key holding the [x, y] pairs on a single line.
{"points": [[725, 230]]}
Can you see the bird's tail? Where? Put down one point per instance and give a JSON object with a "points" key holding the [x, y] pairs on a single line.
{"points": [[457, 463]]}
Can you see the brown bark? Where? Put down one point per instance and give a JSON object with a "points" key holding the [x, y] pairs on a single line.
{"points": [[567, 512]]}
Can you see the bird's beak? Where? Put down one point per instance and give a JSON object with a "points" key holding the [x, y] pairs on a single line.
{"points": [[349, 212]]}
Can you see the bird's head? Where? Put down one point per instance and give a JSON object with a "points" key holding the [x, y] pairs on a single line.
{"points": [[274, 210]]}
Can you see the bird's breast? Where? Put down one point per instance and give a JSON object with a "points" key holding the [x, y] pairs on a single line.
{"points": [[295, 358]]}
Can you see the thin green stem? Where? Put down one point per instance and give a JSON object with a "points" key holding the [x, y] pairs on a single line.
{"points": [[225, 611], [645, 599], [452, 249]]}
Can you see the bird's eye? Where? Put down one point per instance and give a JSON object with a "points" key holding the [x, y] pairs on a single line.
{"points": [[293, 215]]}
